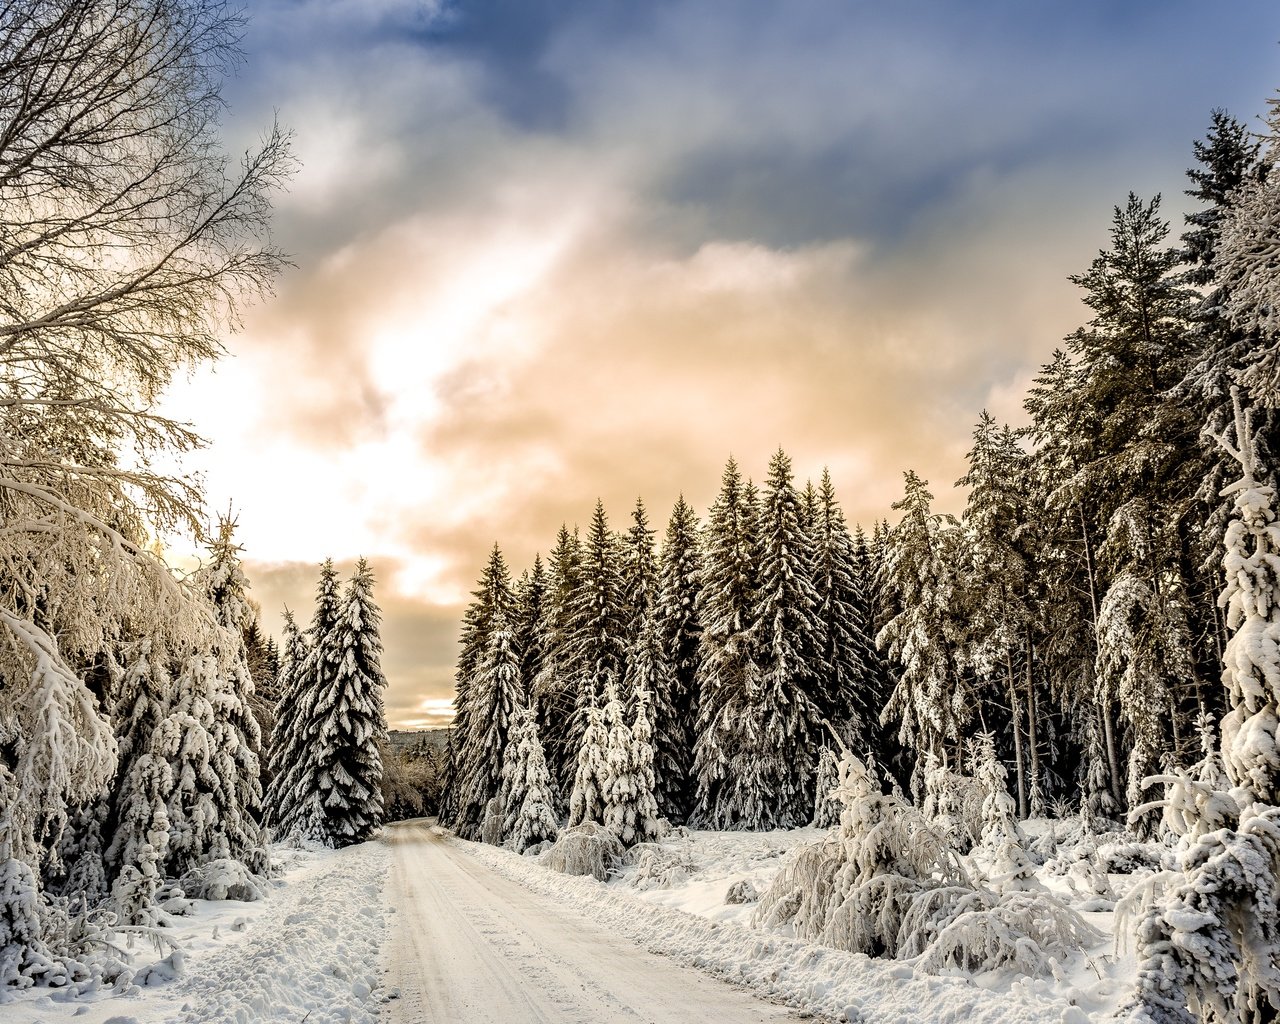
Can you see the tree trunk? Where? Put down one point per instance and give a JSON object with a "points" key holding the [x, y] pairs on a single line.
{"points": [[1017, 734], [1033, 737]]}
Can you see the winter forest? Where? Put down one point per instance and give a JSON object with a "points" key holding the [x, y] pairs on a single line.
{"points": [[1094, 641], [1016, 765]]}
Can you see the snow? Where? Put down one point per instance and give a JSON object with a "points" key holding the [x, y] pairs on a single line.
{"points": [[310, 950]]}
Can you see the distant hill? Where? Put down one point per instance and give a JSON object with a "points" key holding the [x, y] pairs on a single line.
{"points": [[403, 739]]}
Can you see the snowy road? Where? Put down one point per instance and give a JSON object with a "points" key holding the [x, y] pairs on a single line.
{"points": [[467, 946]]}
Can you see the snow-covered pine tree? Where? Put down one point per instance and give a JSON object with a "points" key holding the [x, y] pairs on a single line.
{"points": [[235, 731], [288, 735], [599, 628], [1003, 842], [793, 704], [553, 686], [675, 704], [143, 835], [587, 800], [630, 810], [848, 695], [1212, 945], [996, 638], [348, 721], [648, 672], [1133, 353], [929, 699], [492, 596], [639, 570], [494, 695], [727, 671], [526, 783], [1247, 264], [826, 805], [300, 809], [530, 602]]}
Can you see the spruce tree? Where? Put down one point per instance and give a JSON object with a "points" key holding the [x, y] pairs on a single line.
{"points": [[1140, 472], [553, 688], [675, 704], [348, 718], [527, 793], [302, 788], [639, 569], [792, 703], [286, 750], [531, 594], [590, 781], [995, 639], [848, 694], [928, 699], [492, 597], [728, 733], [599, 629], [236, 732], [494, 697]]}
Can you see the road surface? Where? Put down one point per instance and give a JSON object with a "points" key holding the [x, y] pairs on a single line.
{"points": [[468, 946]]}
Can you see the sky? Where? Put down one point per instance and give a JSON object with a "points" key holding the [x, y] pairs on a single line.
{"points": [[549, 251]]}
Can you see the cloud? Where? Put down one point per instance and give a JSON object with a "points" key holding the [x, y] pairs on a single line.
{"points": [[554, 252]]}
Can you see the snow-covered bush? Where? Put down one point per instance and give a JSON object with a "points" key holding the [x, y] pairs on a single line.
{"points": [[1003, 852], [1032, 933], [852, 889], [223, 879], [585, 849], [741, 891], [953, 803], [657, 867], [887, 883]]}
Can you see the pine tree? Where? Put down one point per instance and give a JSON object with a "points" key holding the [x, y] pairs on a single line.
{"points": [[493, 694], [1140, 471], [630, 810], [587, 800], [675, 703], [527, 787], [553, 687], [826, 805], [348, 720], [928, 700], [790, 637], [728, 730], [996, 639], [648, 673], [530, 601], [639, 569], [492, 597], [599, 628], [301, 786], [236, 733], [288, 736], [848, 695]]}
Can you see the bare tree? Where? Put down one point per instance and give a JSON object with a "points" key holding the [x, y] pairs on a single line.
{"points": [[128, 243]]}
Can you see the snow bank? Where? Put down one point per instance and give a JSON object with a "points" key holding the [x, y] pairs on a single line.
{"points": [[843, 986], [313, 954], [310, 950]]}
